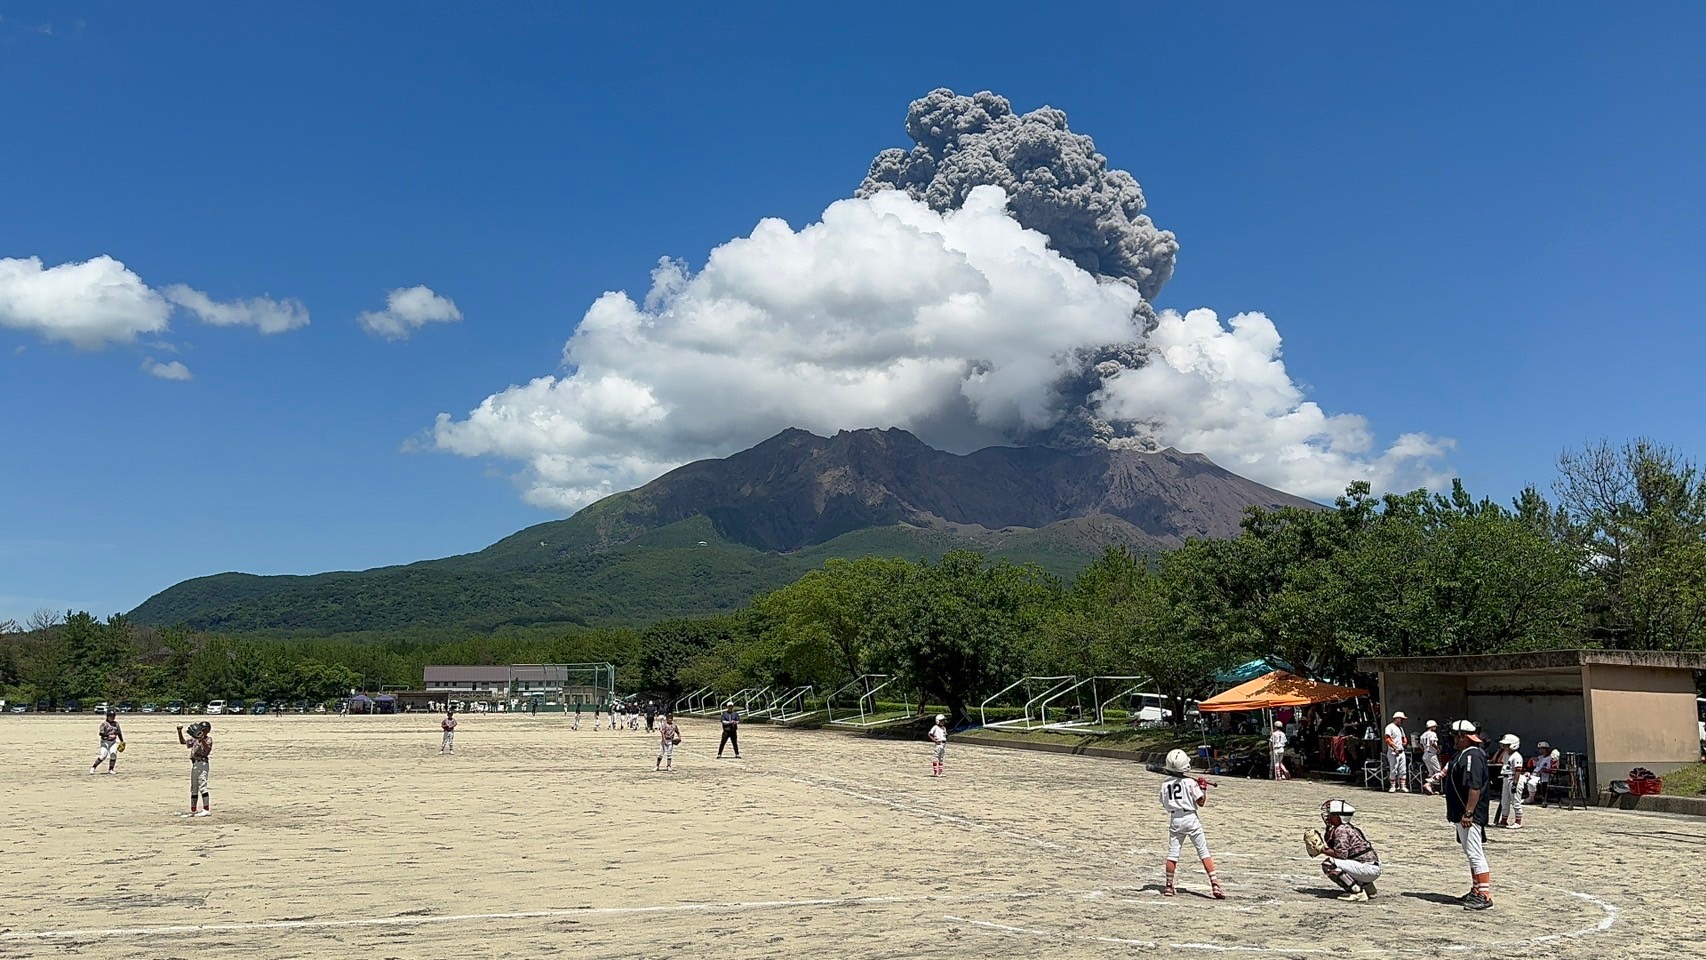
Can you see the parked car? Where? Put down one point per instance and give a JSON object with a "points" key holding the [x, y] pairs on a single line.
{"points": [[127, 706], [20, 708], [71, 706], [44, 706], [215, 706], [302, 706], [238, 707], [150, 708], [174, 706], [259, 709], [102, 707]]}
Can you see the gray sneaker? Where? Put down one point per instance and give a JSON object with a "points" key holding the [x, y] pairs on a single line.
{"points": [[1476, 901], [1368, 888]]}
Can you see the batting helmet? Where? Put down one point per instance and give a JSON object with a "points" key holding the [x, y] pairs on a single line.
{"points": [[1178, 762]]}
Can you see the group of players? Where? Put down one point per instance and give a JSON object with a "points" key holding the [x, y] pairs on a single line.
{"points": [[200, 744], [1347, 856], [669, 732]]}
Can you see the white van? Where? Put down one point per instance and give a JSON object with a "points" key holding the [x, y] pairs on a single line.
{"points": [[215, 706]]}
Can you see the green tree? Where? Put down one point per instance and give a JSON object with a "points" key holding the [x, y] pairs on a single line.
{"points": [[956, 629]]}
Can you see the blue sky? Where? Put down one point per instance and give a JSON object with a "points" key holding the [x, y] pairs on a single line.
{"points": [[1478, 227]]}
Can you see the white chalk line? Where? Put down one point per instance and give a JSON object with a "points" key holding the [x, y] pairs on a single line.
{"points": [[421, 920], [1605, 923]]}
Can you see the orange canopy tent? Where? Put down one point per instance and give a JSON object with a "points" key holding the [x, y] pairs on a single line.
{"points": [[1277, 689]]}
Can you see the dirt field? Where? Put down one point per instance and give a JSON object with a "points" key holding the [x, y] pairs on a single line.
{"points": [[354, 838]]}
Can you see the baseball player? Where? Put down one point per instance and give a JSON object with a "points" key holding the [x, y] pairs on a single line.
{"points": [[939, 744], [1276, 752], [112, 744], [448, 725], [1397, 759], [668, 736], [1181, 796], [1347, 858], [1430, 754], [1466, 800], [577, 724], [200, 742], [1509, 759]]}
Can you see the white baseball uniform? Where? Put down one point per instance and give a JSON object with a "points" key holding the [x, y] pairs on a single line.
{"points": [[1180, 797]]}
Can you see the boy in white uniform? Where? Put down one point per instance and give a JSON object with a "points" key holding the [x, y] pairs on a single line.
{"points": [[112, 743], [1181, 796], [939, 748], [1510, 792], [668, 736], [448, 725], [1276, 752], [1430, 754]]}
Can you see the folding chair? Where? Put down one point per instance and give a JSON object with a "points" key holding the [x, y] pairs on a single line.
{"points": [[1374, 774]]}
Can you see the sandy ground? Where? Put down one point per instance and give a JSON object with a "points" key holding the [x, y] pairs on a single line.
{"points": [[338, 838]]}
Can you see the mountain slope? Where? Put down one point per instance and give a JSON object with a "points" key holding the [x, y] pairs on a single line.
{"points": [[709, 535]]}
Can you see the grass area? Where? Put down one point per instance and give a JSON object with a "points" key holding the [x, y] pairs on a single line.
{"points": [[1687, 782]]}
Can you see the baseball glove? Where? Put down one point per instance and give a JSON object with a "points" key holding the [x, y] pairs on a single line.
{"points": [[121, 746], [1313, 843]]}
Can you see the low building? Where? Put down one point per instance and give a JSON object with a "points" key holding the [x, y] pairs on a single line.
{"points": [[1620, 709], [587, 684]]}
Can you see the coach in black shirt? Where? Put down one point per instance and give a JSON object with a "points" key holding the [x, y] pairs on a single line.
{"points": [[1466, 801], [731, 731]]}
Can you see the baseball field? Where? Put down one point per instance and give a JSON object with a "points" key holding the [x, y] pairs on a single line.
{"points": [[354, 838]]}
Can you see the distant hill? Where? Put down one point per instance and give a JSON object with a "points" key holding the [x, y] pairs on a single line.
{"points": [[708, 536]]}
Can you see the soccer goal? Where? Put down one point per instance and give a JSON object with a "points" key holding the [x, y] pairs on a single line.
{"points": [[1084, 707], [794, 705], [1029, 696], [856, 703]]}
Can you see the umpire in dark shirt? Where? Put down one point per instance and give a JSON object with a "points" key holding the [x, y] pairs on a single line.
{"points": [[1466, 801], [731, 730]]}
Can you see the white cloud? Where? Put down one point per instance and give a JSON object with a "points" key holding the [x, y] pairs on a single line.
{"points": [[87, 305], [408, 309], [1224, 392], [173, 370], [264, 314], [101, 302], [959, 326]]}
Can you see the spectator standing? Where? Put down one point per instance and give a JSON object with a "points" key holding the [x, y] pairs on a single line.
{"points": [[1397, 757]]}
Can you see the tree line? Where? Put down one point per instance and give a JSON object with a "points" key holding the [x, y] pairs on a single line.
{"points": [[1617, 558]]}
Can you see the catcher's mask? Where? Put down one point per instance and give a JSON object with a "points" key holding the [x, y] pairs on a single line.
{"points": [[1178, 762], [1336, 808]]}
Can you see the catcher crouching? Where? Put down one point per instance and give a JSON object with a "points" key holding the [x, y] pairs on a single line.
{"points": [[1347, 858]]}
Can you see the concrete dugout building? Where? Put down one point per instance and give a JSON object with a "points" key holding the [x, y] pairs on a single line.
{"points": [[1622, 708]]}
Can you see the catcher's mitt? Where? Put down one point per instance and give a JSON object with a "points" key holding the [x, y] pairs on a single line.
{"points": [[1313, 843]]}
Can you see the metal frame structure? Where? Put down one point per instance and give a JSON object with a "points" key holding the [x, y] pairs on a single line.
{"points": [[684, 703], [763, 696], [1035, 713], [1098, 723], [792, 705], [868, 685], [704, 703]]}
